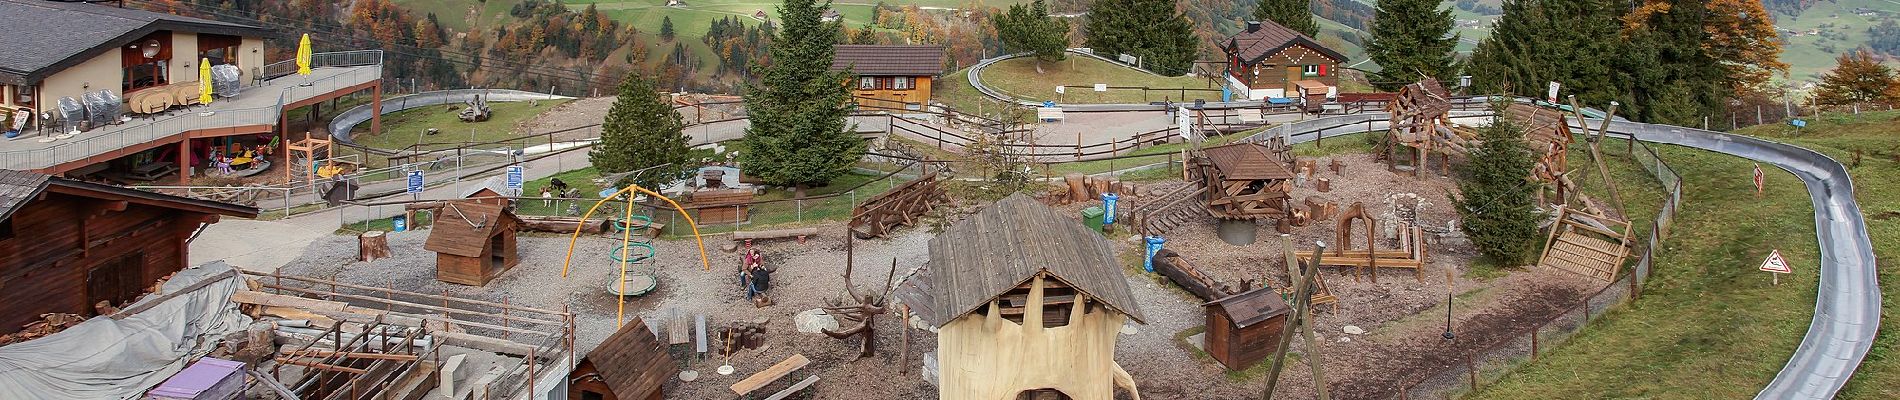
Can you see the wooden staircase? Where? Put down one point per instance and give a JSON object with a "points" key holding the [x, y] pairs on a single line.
{"points": [[1170, 210]]}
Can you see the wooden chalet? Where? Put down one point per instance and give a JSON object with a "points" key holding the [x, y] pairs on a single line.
{"points": [[889, 77], [67, 245], [1244, 180], [631, 365], [474, 242], [1245, 328], [1028, 301], [1267, 61]]}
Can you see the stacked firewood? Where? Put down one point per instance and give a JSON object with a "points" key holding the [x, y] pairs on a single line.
{"points": [[49, 323]]}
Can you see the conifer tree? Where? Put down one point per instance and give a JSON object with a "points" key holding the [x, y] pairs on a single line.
{"points": [[1292, 14], [1496, 199], [1150, 29], [1410, 38], [798, 135], [666, 27], [642, 131], [1572, 42], [1029, 28]]}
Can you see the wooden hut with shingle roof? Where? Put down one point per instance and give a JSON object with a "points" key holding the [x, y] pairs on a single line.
{"points": [[1026, 300], [1243, 180], [474, 242], [631, 365]]}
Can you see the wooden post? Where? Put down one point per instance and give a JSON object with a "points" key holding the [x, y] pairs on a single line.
{"points": [[371, 246]]}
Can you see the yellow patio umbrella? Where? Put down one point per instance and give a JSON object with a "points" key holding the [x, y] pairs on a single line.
{"points": [[303, 55], [204, 81]]}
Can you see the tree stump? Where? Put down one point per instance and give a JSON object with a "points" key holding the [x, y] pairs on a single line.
{"points": [[371, 246], [1323, 185], [1078, 186]]}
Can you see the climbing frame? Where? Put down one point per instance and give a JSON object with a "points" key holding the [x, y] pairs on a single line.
{"points": [[1583, 243]]}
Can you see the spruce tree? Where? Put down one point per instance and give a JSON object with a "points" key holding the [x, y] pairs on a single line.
{"points": [[1150, 29], [642, 131], [1410, 38], [1029, 28], [798, 135], [666, 27], [1572, 42], [1293, 14], [1496, 198]]}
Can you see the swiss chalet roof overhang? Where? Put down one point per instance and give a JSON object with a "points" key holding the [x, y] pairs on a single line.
{"points": [[1270, 39], [41, 38]]}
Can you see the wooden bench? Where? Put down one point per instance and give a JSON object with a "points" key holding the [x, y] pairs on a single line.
{"points": [[753, 383], [789, 391], [799, 233]]}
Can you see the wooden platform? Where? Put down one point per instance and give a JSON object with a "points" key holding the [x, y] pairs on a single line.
{"points": [[759, 380], [1578, 245]]}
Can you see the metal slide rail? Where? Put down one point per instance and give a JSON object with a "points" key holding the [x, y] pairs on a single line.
{"points": [[1847, 308]]}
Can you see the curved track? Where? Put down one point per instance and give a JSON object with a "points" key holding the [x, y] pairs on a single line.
{"points": [[1847, 308], [341, 125]]}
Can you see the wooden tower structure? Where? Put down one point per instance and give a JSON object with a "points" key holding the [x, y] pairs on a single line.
{"points": [[1244, 181]]}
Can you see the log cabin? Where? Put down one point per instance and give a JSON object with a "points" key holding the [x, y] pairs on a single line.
{"points": [[889, 77], [69, 245], [1029, 303], [1267, 61], [474, 242], [631, 365]]}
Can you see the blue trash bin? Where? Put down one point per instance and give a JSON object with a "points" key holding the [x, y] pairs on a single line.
{"points": [[400, 223], [1154, 246], [1108, 208]]}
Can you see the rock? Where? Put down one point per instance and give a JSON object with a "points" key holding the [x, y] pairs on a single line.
{"points": [[1353, 330], [762, 320], [1129, 329], [811, 321], [1344, 339]]}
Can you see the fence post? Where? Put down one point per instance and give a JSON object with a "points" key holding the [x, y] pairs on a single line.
{"points": [[1471, 371], [1533, 344]]}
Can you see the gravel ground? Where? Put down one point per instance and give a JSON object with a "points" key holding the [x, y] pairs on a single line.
{"points": [[1403, 316]]}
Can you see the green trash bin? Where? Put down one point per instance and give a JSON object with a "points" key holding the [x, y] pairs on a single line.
{"points": [[1092, 217]]}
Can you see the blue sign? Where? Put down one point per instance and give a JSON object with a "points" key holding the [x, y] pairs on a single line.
{"points": [[1108, 207], [1799, 123], [514, 177], [1048, 103], [1154, 246], [415, 182]]}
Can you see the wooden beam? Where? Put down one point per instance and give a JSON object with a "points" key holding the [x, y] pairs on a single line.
{"points": [[321, 366], [370, 356]]}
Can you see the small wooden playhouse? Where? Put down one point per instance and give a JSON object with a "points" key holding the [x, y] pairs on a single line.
{"points": [[474, 242], [1244, 329]]}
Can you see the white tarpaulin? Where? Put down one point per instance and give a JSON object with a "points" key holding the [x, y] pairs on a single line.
{"points": [[106, 358]]}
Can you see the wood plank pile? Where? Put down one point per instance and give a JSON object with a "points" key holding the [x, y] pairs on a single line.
{"points": [[1244, 180], [1168, 211], [721, 206], [901, 206]]}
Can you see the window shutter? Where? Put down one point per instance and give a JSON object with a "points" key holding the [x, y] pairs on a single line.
{"points": [[1322, 69]]}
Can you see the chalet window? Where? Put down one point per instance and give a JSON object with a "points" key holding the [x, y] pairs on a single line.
{"points": [[144, 62], [23, 96], [901, 83], [220, 49], [1311, 70], [884, 83], [867, 83]]}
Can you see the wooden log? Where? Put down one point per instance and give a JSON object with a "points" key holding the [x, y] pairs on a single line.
{"points": [[1177, 269], [1078, 187], [564, 224], [371, 246], [1323, 185]]}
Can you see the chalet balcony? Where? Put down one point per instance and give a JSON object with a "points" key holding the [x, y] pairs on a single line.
{"points": [[259, 105]]}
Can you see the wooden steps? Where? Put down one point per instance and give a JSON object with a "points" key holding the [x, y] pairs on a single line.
{"points": [[759, 380]]}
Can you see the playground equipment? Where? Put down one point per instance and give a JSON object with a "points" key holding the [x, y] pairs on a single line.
{"points": [[626, 236], [638, 275]]}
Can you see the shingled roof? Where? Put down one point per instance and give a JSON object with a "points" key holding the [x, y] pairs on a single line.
{"points": [[19, 187], [1012, 241], [44, 37], [1264, 39], [462, 228], [1251, 307], [888, 59], [1247, 162], [632, 362]]}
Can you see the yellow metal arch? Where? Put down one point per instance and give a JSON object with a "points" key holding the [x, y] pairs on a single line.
{"points": [[620, 311]]}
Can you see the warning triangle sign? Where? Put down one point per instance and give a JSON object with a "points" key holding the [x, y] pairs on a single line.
{"points": [[1776, 264]]}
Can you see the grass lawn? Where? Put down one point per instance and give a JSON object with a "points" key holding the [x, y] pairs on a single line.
{"points": [[1709, 325], [762, 216], [1018, 78], [404, 128]]}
